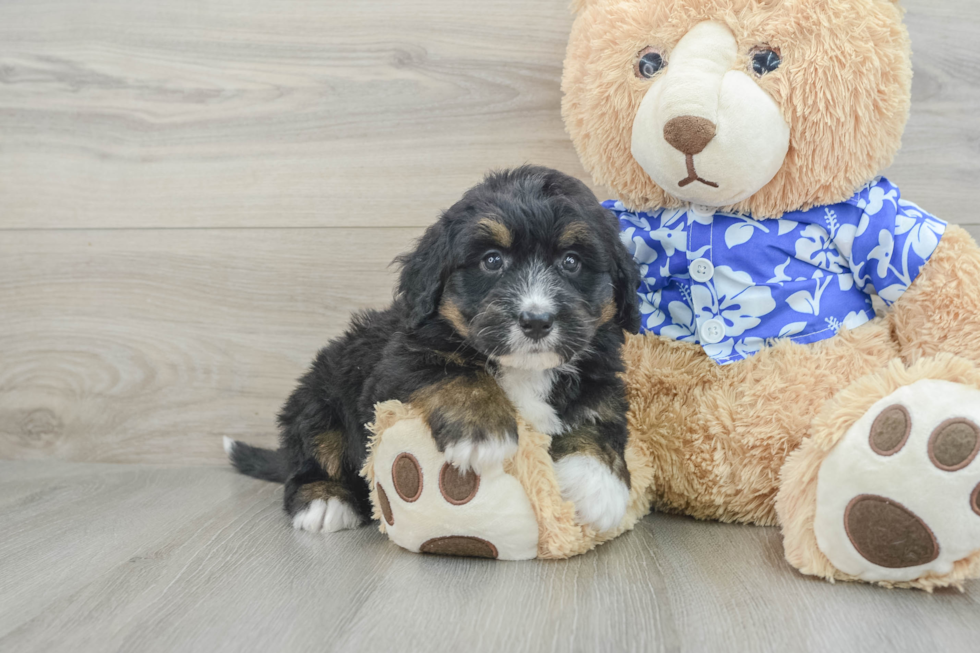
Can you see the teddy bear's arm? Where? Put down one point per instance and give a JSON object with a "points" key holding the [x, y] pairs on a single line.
{"points": [[940, 312]]}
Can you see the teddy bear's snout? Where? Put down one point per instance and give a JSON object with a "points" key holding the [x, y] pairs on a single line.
{"points": [[689, 134], [705, 130]]}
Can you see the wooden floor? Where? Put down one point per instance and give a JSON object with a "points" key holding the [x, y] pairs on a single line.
{"points": [[194, 195], [97, 557]]}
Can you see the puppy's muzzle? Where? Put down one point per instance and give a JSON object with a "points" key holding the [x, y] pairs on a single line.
{"points": [[536, 326]]}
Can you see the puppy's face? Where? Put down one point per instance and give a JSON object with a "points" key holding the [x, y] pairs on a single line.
{"points": [[533, 288], [531, 267]]}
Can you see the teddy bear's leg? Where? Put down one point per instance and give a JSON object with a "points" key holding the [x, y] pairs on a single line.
{"points": [[887, 487], [510, 511], [426, 505]]}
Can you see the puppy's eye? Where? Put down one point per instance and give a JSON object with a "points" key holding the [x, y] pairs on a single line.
{"points": [[765, 61], [649, 63], [571, 263], [492, 262]]}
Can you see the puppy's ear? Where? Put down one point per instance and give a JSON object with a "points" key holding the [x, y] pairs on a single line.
{"points": [[424, 272], [626, 279]]}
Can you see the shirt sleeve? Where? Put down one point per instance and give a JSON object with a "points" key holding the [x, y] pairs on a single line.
{"points": [[891, 242], [636, 232]]}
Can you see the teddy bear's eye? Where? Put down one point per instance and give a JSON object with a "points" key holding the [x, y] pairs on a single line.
{"points": [[649, 64], [765, 60]]}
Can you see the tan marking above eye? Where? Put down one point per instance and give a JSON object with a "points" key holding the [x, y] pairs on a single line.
{"points": [[498, 231], [954, 444], [891, 430], [576, 233]]}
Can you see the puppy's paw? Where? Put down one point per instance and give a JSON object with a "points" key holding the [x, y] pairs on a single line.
{"points": [[327, 516], [480, 456], [600, 497]]}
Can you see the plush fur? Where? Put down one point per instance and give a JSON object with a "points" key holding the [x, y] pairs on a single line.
{"points": [[714, 441], [745, 442], [513, 304], [844, 88]]}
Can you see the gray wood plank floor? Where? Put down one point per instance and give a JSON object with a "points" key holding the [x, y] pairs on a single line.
{"points": [[98, 557]]}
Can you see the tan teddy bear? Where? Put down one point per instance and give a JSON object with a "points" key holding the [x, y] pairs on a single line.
{"points": [[744, 139]]}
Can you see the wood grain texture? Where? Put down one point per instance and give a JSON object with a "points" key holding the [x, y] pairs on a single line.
{"points": [[116, 113], [136, 558], [194, 195], [147, 345], [269, 113]]}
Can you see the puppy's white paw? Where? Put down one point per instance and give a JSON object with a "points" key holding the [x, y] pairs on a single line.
{"points": [[340, 516], [311, 518], [600, 497], [467, 455], [326, 516]]}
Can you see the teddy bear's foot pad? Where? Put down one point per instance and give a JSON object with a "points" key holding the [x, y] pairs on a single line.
{"points": [[427, 505], [898, 498]]}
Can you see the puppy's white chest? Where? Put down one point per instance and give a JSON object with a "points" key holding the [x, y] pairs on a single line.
{"points": [[528, 390]]}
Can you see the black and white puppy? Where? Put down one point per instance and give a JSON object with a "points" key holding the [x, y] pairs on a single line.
{"points": [[514, 303]]}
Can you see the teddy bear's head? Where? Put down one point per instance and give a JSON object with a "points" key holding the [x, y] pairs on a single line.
{"points": [[763, 106]]}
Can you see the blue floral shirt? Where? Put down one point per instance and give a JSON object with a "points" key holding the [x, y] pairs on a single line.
{"points": [[732, 284]]}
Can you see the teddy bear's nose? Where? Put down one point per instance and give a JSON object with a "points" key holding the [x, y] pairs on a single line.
{"points": [[689, 134]]}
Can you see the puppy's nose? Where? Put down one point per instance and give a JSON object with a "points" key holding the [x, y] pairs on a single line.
{"points": [[536, 325], [689, 134]]}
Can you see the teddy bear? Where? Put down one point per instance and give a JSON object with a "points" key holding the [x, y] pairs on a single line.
{"points": [[811, 339]]}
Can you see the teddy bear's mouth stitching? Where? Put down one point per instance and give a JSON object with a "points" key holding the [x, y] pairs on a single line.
{"points": [[692, 175]]}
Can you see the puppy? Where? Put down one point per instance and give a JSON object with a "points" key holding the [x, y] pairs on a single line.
{"points": [[514, 303]]}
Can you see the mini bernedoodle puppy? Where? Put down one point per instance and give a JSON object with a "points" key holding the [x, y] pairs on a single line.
{"points": [[514, 303]]}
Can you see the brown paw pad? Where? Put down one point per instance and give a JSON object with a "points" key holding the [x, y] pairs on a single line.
{"points": [[891, 430], [975, 500], [888, 534], [954, 444], [406, 474], [456, 488], [385, 506], [458, 545]]}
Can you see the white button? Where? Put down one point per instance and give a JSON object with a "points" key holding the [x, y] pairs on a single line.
{"points": [[702, 270], [712, 332], [703, 210]]}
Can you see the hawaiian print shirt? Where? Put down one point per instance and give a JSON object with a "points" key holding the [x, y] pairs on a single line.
{"points": [[732, 284]]}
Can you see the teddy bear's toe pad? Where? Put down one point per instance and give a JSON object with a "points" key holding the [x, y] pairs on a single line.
{"points": [[897, 498], [888, 534], [454, 545], [427, 505]]}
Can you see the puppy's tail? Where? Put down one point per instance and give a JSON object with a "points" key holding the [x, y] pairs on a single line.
{"points": [[266, 464]]}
